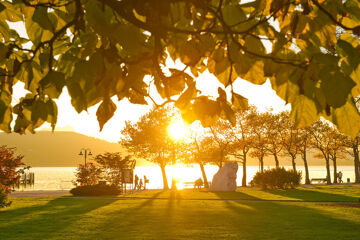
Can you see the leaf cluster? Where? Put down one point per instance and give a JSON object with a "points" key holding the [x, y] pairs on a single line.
{"points": [[98, 49]]}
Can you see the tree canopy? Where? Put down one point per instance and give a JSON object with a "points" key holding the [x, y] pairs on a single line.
{"points": [[309, 49]]}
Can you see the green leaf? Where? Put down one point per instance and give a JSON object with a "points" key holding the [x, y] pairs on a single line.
{"points": [[21, 124], [227, 113], [78, 99], [355, 76], [53, 84], [41, 17], [206, 110], [136, 97], [336, 86], [2, 7], [303, 111], [233, 14], [284, 87], [36, 33], [5, 111], [185, 98], [39, 113], [105, 111], [175, 84], [99, 17], [239, 101], [131, 39], [256, 73], [347, 118], [52, 113], [12, 13], [189, 53], [3, 51]]}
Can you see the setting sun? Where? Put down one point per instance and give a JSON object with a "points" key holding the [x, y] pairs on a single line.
{"points": [[177, 129]]}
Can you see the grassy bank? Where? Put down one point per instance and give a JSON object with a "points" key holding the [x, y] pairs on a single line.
{"points": [[188, 215]]}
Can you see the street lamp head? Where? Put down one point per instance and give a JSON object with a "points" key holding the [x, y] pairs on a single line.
{"points": [[90, 154], [80, 153]]}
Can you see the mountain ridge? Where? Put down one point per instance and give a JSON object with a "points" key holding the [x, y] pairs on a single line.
{"points": [[59, 148]]}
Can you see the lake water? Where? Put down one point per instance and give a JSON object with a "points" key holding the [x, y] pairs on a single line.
{"points": [[60, 178]]}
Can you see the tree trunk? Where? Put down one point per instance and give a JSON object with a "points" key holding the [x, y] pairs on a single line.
{"points": [[206, 184], [173, 180], [276, 161], [307, 178], [261, 162], [356, 163], [293, 163], [243, 182], [166, 185], [328, 178], [221, 159], [335, 170]]}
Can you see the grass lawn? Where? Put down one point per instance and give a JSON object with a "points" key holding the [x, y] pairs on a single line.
{"points": [[189, 214]]}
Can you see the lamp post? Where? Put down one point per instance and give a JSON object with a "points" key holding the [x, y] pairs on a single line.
{"points": [[85, 152]]}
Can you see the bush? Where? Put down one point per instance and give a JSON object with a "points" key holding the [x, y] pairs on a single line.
{"points": [[112, 166], [277, 178], [95, 190], [4, 202], [87, 175]]}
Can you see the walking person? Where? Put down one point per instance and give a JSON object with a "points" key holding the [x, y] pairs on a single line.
{"points": [[140, 186], [136, 181], [146, 180], [340, 175]]}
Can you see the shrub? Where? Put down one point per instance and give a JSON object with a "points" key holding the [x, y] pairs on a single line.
{"points": [[87, 175], [4, 201], [277, 178], [95, 190], [112, 166], [10, 168]]}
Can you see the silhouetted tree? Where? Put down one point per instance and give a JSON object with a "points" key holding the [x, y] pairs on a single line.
{"points": [[257, 123], [290, 137], [243, 138], [336, 149], [322, 141], [352, 147], [273, 132], [148, 138], [304, 145]]}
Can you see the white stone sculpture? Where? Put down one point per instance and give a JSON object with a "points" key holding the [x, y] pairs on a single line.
{"points": [[225, 178]]}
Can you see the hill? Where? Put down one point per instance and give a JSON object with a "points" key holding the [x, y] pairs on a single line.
{"points": [[58, 149], [61, 149]]}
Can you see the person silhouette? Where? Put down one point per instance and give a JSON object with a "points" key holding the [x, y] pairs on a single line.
{"points": [[136, 181], [146, 180], [140, 184], [340, 175]]}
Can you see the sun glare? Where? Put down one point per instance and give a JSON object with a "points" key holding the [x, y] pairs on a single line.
{"points": [[177, 129]]}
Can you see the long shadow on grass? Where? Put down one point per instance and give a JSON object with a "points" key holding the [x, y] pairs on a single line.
{"points": [[289, 220], [181, 218], [45, 221], [270, 220], [309, 195]]}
